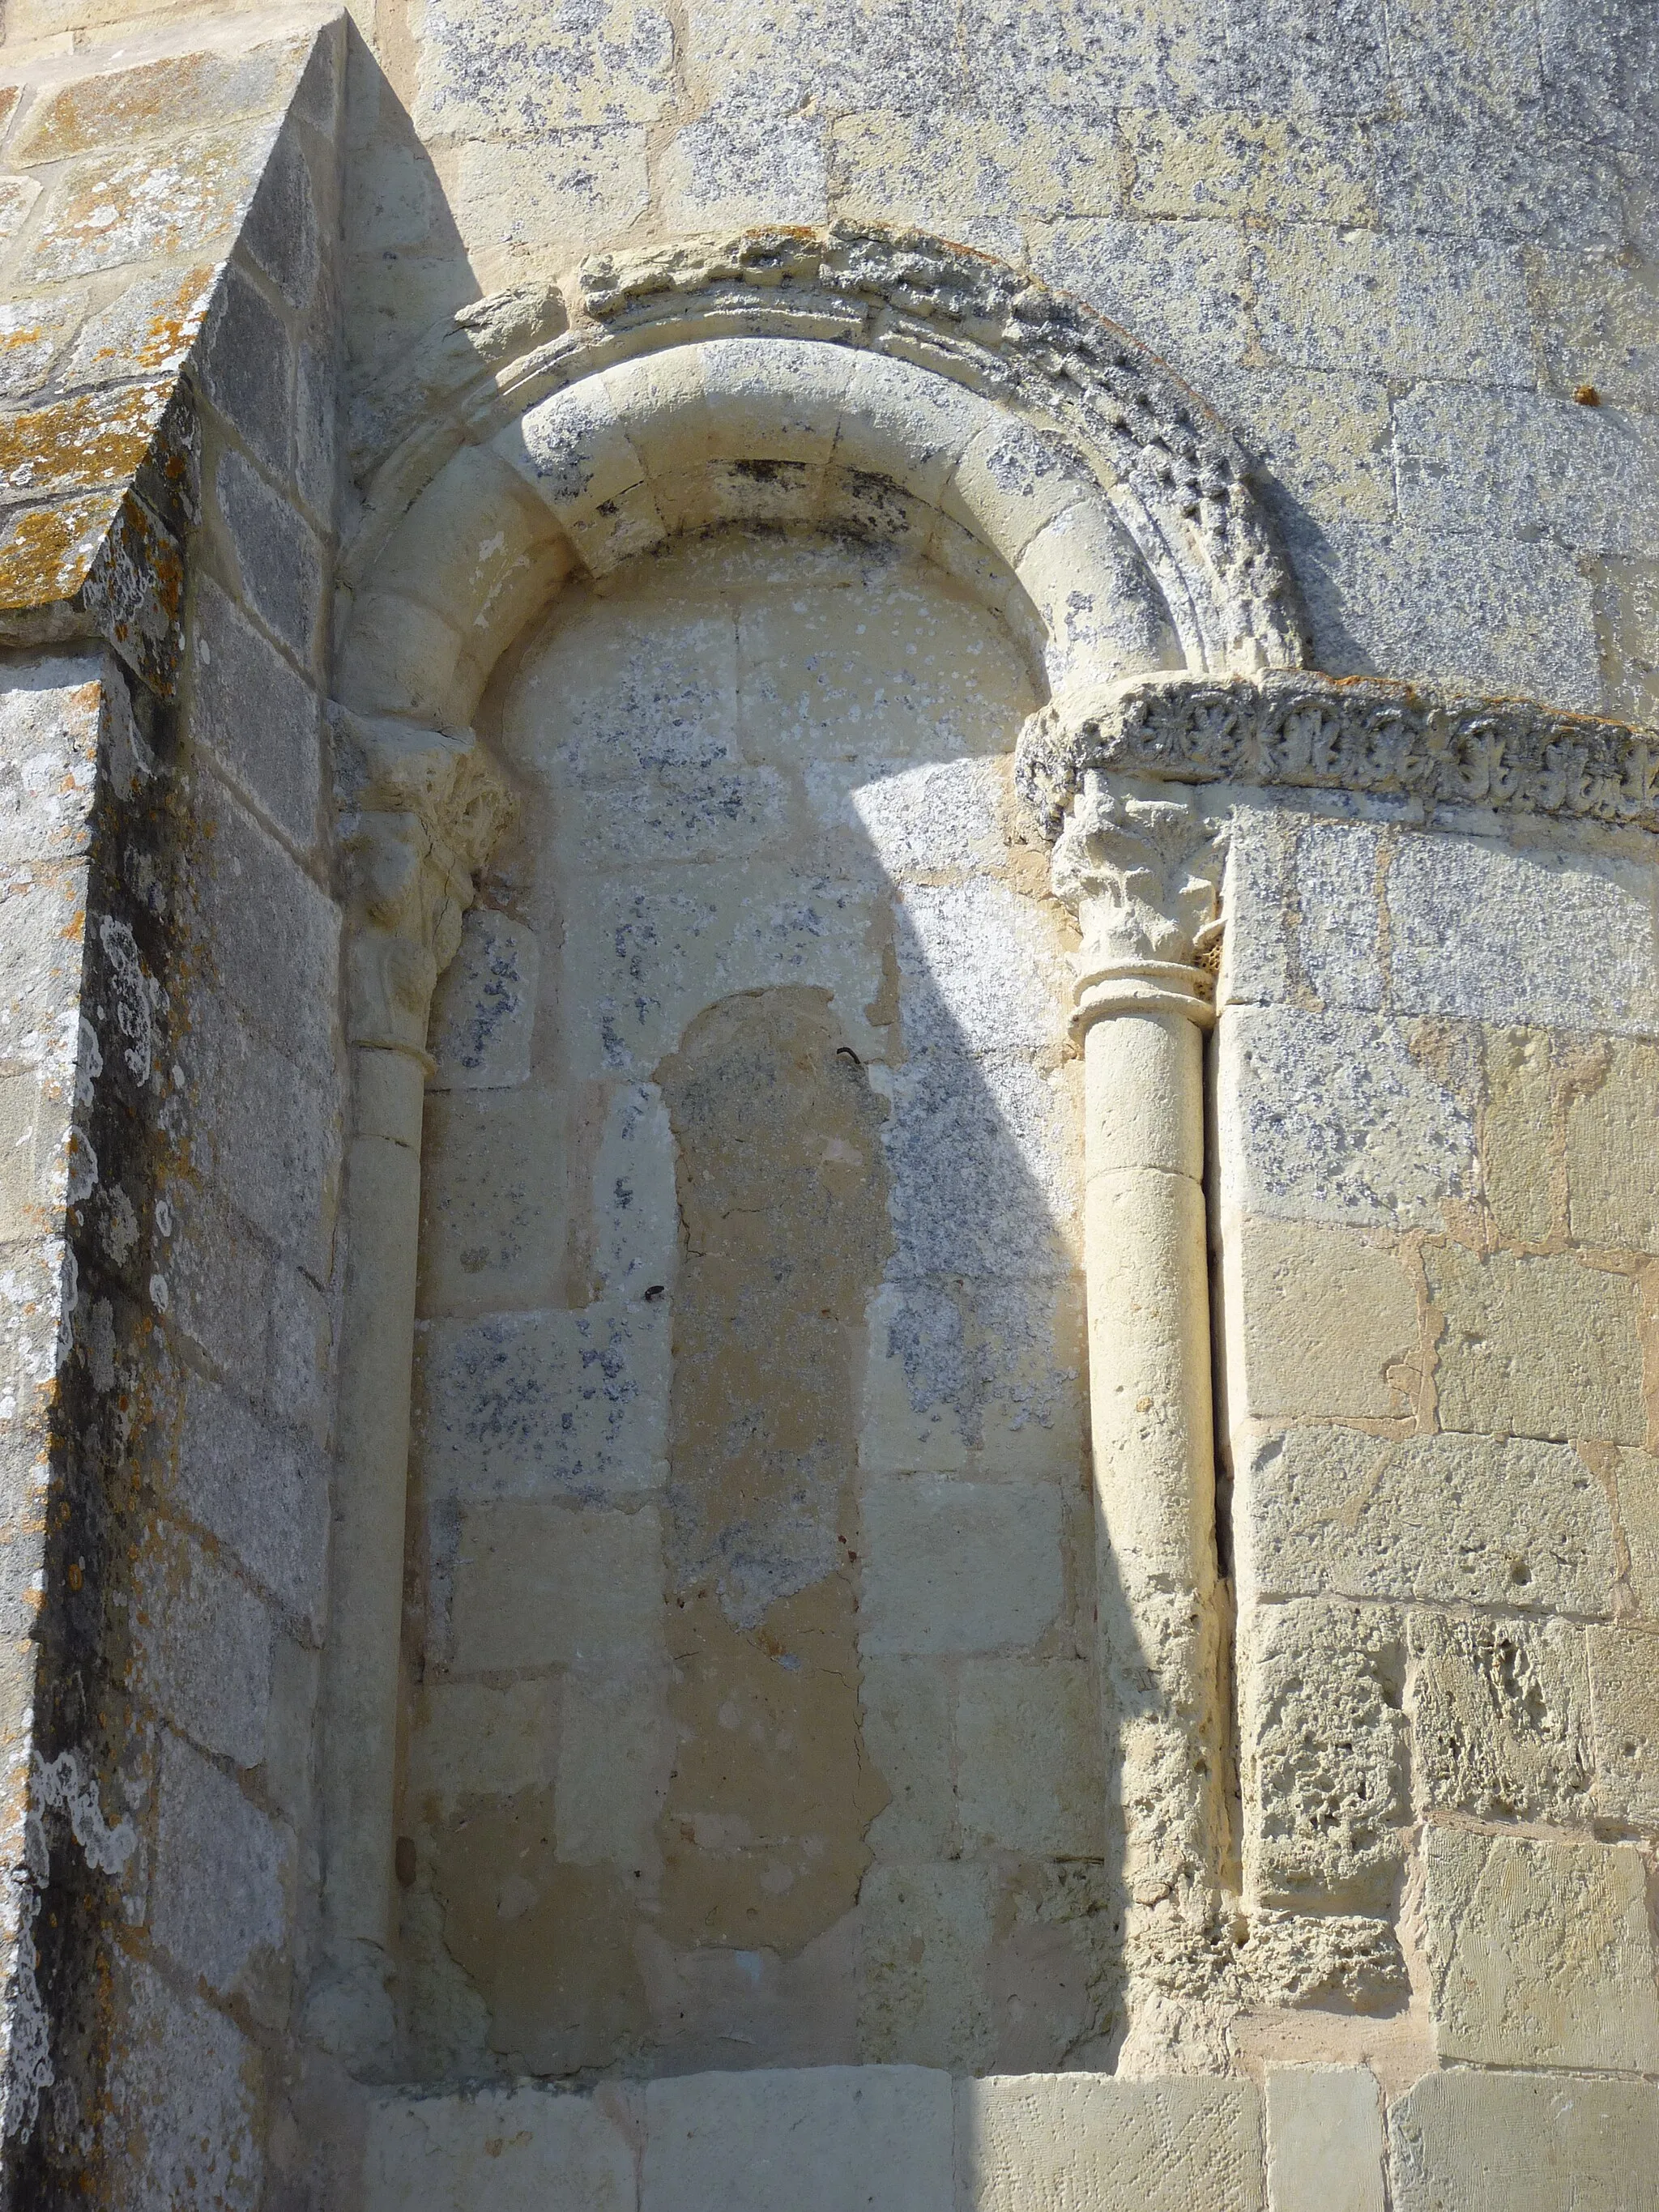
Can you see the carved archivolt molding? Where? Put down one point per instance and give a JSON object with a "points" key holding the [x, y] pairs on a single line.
{"points": [[457, 532], [1340, 733]]}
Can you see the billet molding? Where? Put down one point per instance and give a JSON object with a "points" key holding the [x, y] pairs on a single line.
{"points": [[1182, 482], [1364, 734]]}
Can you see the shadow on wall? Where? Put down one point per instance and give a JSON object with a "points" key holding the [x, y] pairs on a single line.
{"points": [[754, 1708]]}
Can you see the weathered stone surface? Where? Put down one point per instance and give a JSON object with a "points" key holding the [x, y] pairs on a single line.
{"points": [[959, 1566], [1541, 1347], [180, 2119], [1028, 1741], [1624, 1684], [1500, 1710], [257, 714], [222, 1870], [1539, 1951], [215, 1686], [1414, 1517], [1535, 2141], [1322, 1754], [1612, 1187], [875, 2136], [1336, 1118], [1324, 2140], [539, 1585], [1330, 1323], [1069, 2141], [544, 2151]]}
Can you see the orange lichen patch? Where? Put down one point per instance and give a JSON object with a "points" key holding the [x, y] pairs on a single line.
{"points": [[149, 328], [46, 552], [32, 333], [149, 208], [115, 108], [73, 444]]}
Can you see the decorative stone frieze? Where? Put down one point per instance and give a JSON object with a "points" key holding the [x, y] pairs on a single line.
{"points": [[1356, 733]]}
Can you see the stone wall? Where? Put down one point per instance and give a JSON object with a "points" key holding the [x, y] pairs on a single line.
{"points": [[172, 962], [758, 1710]]}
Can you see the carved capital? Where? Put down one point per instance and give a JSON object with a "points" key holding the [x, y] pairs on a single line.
{"points": [[1139, 867], [420, 811]]}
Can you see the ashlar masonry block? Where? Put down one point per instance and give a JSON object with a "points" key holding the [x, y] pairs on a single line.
{"points": [[1324, 2140], [1534, 2142], [1544, 1346], [1539, 1952], [1059, 2142], [1328, 1323]]}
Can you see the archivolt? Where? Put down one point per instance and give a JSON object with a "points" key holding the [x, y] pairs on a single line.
{"points": [[872, 381]]}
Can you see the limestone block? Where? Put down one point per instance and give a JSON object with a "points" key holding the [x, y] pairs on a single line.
{"points": [[492, 1200], [1533, 2141], [603, 704], [612, 65], [276, 936], [180, 2115], [1257, 898], [1325, 437], [773, 402], [1176, 285], [898, 53], [1329, 1323], [683, 814], [157, 204], [222, 1870], [655, 952], [1102, 612], [258, 716], [1540, 1953], [981, 969], [1493, 613], [616, 1747], [1091, 2142], [275, 1146], [1399, 306], [246, 366], [471, 1739], [540, 1585], [259, 1488], [925, 1937], [484, 1010], [111, 108], [1624, 1684], [965, 184], [903, 423], [542, 2149], [907, 1724], [479, 547], [1636, 1479], [1501, 1714], [1338, 947], [1522, 460], [1324, 2140], [1542, 1347], [574, 449], [910, 821], [1598, 324], [1323, 1754], [1029, 1749], [277, 555], [920, 1401], [1334, 1117], [958, 1566], [1613, 1137], [635, 1207], [735, 170], [400, 658], [1289, 168], [49, 722], [983, 1157], [1557, 939], [822, 2139], [203, 1644], [1515, 1133], [568, 189], [561, 1402], [1626, 594], [1452, 1519], [1011, 482]]}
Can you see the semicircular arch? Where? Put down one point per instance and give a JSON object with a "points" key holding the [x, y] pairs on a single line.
{"points": [[874, 383]]}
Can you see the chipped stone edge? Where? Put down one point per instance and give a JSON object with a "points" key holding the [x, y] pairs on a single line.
{"points": [[1362, 734]]}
